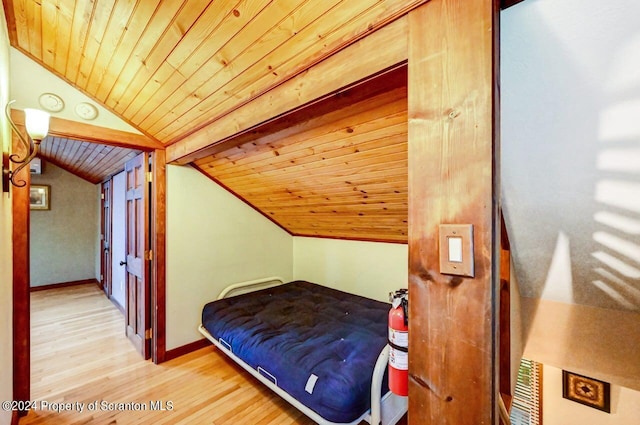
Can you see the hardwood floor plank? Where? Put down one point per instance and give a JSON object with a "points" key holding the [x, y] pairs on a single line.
{"points": [[81, 356]]}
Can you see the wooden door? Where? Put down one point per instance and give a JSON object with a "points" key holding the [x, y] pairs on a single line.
{"points": [[137, 314], [105, 238]]}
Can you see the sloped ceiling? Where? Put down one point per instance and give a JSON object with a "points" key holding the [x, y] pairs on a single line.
{"points": [[171, 67], [80, 152], [571, 149], [92, 162], [339, 170]]}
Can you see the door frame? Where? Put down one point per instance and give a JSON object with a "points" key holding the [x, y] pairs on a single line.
{"points": [[106, 230], [20, 242]]}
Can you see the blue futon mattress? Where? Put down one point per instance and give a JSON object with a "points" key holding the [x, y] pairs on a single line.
{"points": [[318, 344]]}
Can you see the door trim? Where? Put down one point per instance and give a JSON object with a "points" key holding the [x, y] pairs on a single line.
{"points": [[106, 235], [158, 230], [21, 288]]}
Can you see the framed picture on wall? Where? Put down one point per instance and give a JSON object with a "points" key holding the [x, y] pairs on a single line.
{"points": [[588, 391], [40, 197]]}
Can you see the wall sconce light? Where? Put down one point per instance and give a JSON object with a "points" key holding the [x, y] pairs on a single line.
{"points": [[37, 125]]}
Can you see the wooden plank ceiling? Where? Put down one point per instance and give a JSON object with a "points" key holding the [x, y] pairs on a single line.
{"points": [[341, 173], [90, 161], [170, 68]]}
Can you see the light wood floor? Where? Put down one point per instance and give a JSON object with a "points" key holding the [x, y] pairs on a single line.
{"points": [[80, 355]]}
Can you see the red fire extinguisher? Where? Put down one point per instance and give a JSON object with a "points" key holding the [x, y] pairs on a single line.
{"points": [[399, 342]]}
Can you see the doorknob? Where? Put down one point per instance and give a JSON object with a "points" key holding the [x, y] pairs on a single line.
{"points": [[122, 263]]}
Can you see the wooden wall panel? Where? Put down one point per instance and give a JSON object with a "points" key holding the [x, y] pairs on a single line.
{"points": [[452, 329]]}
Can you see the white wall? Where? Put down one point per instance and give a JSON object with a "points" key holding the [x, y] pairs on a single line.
{"points": [[570, 108], [118, 233], [556, 410], [6, 275], [213, 240], [591, 341], [370, 269], [64, 239], [570, 145], [29, 80]]}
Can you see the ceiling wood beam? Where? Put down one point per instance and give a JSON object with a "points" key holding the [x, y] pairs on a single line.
{"points": [[277, 134], [383, 49], [90, 133]]}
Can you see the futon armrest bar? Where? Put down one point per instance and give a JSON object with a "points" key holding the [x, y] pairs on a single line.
{"points": [[376, 386], [258, 282]]}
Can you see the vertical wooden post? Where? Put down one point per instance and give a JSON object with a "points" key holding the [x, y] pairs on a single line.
{"points": [[158, 244], [453, 163], [21, 284]]}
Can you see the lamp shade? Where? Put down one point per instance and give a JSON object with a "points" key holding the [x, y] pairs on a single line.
{"points": [[37, 123]]}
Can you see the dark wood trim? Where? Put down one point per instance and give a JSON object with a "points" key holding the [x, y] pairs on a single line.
{"points": [[500, 318], [452, 160], [106, 231], [508, 3], [540, 389], [504, 235], [15, 418], [21, 279], [186, 349], [64, 285], [343, 238], [228, 189], [90, 133], [505, 314], [158, 245]]}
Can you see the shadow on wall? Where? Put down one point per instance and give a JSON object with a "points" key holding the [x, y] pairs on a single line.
{"points": [[618, 191], [571, 179], [571, 150]]}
